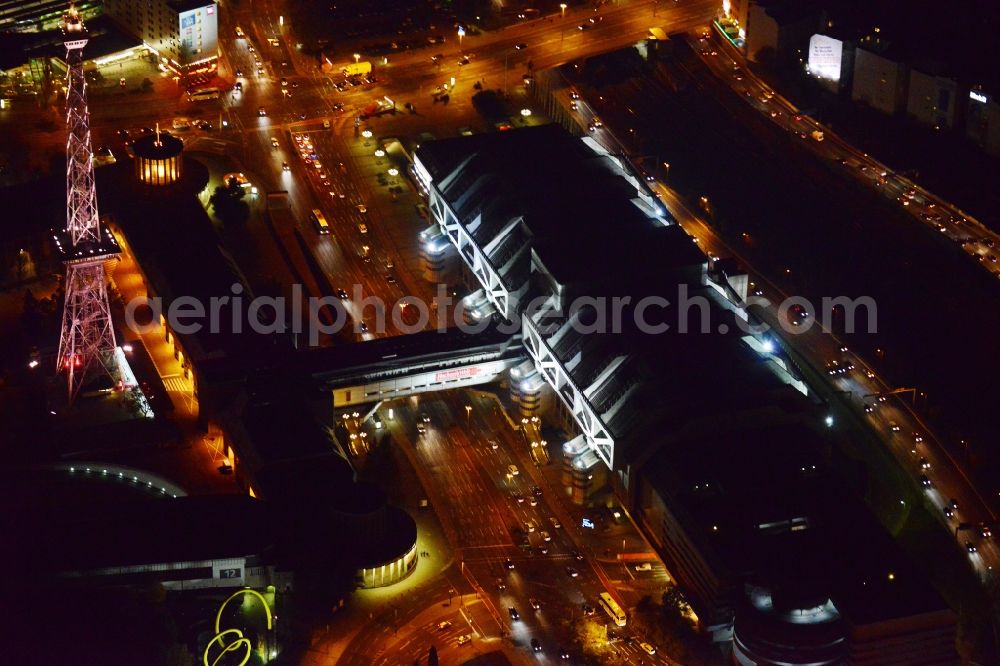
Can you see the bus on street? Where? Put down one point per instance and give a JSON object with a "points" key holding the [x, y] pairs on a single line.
{"points": [[320, 221], [203, 94], [612, 608]]}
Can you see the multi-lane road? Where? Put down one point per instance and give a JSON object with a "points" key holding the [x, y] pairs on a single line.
{"points": [[286, 96], [891, 413], [516, 544], [977, 240], [495, 62], [283, 95]]}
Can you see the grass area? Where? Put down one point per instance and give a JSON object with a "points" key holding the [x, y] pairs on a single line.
{"points": [[665, 627]]}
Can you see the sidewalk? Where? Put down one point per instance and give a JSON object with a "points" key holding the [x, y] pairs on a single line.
{"points": [[127, 280], [195, 459], [433, 574]]}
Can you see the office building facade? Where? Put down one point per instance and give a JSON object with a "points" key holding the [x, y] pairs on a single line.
{"points": [[183, 33]]}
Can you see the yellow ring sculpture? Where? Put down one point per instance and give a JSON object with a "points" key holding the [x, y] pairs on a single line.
{"points": [[240, 641]]}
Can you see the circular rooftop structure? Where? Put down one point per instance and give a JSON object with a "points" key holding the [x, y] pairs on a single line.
{"points": [[158, 158]]}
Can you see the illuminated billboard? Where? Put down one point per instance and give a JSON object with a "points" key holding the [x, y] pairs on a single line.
{"points": [[825, 55], [199, 32]]}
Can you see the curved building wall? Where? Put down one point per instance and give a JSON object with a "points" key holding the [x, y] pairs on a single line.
{"points": [[386, 545], [387, 573], [158, 170], [764, 635], [158, 158]]}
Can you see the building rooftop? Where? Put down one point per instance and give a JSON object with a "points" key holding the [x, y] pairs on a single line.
{"points": [[671, 348], [104, 38], [348, 360], [172, 237], [791, 11], [566, 194], [183, 529], [920, 33], [153, 147], [22, 16], [759, 498], [187, 5]]}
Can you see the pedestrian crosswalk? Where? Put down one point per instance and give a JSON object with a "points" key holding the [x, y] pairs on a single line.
{"points": [[177, 384]]}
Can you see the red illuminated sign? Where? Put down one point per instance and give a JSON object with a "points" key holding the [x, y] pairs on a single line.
{"points": [[456, 373]]}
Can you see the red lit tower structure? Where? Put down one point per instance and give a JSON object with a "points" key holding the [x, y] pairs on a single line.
{"points": [[88, 337]]}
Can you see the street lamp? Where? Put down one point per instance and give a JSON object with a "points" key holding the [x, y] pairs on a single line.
{"points": [[525, 112], [379, 153], [562, 8], [461, 34], [393, 171], [357, 57], [366, 133]]}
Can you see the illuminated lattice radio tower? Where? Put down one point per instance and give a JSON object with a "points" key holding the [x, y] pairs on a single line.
{"points": [[88, 337]]}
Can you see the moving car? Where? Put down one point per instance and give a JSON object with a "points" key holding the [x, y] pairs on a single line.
{"points": [[648, 648], [512, 470], [362, 228], [514, 615], [645, 566]]}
